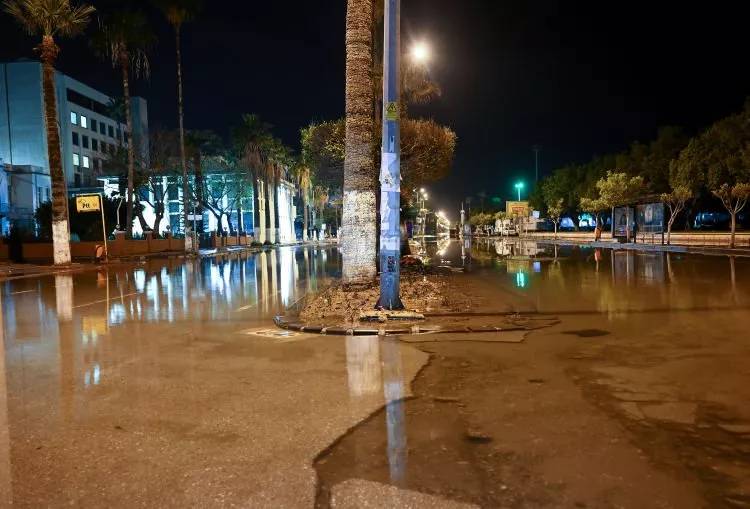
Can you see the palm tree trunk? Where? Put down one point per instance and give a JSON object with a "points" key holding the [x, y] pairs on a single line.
{"points": [[124, 64], [305, 218], [198, 184], [261, 200], [60, 227], [359, 229], [180, 113], [271, 197]]}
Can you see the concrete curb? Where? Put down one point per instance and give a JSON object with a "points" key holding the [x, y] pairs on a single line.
{"points": [[658, 248], [288, 323]]}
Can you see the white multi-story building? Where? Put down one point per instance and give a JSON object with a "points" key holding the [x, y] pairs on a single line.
{"points": [[89, 131]]}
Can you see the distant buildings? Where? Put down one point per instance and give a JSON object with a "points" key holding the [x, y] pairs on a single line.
{"points": [[89, 131]]}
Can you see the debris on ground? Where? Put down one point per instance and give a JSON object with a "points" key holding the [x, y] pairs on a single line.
{"points": [[419, 293]]}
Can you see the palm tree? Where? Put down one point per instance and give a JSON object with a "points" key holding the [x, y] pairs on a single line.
{"points": [[125, 39], [253, 141], [358, 232], [304, 187], [178, 12], [200, 144], [50, 19]]}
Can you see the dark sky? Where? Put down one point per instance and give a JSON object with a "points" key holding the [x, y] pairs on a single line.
{"points": [[576, 77]]}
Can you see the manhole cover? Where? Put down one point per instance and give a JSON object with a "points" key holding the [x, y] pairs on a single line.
{"points": [[587, 333], [272, 333]]}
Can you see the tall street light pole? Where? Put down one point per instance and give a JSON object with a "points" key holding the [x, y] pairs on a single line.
{"points": [[390, 168]]}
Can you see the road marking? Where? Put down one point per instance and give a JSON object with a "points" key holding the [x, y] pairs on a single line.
{"points": [[23, 291], [104, 300], [245, 308]]}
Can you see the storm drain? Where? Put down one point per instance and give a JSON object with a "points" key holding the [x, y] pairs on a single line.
{"points": [[587, 333]]}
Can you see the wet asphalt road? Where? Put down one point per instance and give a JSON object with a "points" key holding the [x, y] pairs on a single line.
{"points": [[166, 384]]}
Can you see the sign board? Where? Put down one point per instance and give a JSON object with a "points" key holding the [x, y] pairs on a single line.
{"points": [[87, 203], [650, 217], [195, 217], [391, 111], [623, 220], [517, 208]]}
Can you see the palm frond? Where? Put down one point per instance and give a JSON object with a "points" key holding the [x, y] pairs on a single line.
{"points": [[125, 38], [50, 17]]}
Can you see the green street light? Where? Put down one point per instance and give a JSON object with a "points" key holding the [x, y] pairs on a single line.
{"points": [[519, 186]]}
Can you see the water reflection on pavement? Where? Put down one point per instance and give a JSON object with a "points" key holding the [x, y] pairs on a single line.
{"points": [[567, 279], [638, 398], [137, 386]]}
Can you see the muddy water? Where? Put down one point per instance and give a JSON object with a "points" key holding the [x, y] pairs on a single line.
{"points": [[638, 398]]}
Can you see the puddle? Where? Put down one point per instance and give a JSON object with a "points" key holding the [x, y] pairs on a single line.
{"points": [[426, 444]]}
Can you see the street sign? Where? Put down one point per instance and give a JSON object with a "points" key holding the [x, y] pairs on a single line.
{"points": [[94, 203], [391, 111], [87, 203], [195, 217]]}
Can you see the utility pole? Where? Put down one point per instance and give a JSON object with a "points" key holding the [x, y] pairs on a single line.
{"points": [[390, 166], [537, 149]]}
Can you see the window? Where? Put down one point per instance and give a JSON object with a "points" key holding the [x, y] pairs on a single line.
{"points": [[84, 121], [74, 118], [125, 135], [77, 180], [85, 141], [49, 196], [39, 194], [76, 160], [119, 134], [86, 162], [93, 124], [111, 131], [102, 128], [174, 207], [94, 144], [172, 193], [75, 139]]}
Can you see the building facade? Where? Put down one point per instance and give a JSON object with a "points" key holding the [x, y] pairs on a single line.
{"points": [[89, 130]]}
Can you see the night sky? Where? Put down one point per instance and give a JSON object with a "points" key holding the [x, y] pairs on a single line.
{"points": [[576, 77]]}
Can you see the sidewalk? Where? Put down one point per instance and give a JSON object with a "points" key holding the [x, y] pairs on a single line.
{"points": [[10, 270], [636, 246]]}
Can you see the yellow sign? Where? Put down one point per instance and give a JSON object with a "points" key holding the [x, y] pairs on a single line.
{"points": [[391, 111], [517, 208], [87, 203]]}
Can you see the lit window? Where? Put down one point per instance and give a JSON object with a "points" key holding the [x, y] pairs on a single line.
{"points": [[74, 118], [86, 163], [75, 138], [84, 121], [76, 160]]}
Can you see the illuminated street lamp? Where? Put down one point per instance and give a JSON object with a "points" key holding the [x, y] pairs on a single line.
{"points": [[519, 186], [420, 52]]}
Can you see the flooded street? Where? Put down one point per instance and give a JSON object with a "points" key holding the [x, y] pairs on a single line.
{"points": [[167, 384]]}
